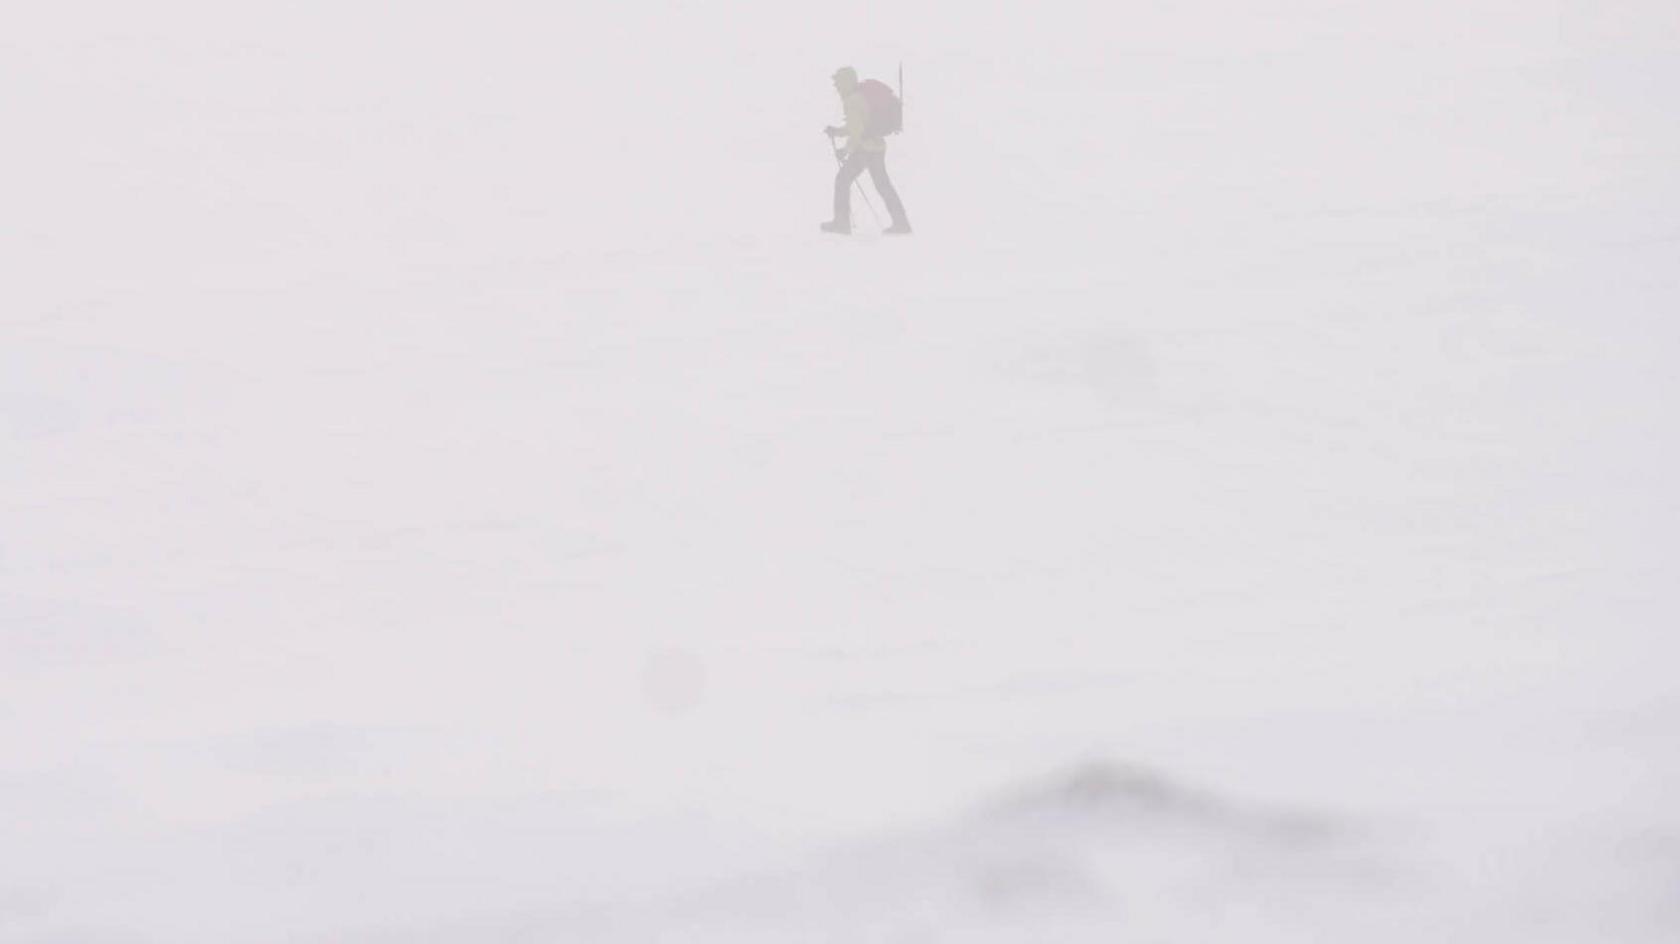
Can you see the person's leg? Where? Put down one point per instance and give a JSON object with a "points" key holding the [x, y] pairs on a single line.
{"points": [[889, 193], [848, 173]]}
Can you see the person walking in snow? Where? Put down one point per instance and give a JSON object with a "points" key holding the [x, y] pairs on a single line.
{"points": [[872, 113]]}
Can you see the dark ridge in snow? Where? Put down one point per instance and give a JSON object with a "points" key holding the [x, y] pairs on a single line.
{"points": [[1117, 794], [1109, 788]]}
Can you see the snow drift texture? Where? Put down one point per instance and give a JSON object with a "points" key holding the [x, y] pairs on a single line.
{"points": [[450, 492]]}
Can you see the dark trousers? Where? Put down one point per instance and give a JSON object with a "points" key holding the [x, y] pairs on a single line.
{"points": [[876, 163]]}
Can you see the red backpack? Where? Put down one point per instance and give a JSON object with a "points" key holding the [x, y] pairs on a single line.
{"points": [[886, 112]]}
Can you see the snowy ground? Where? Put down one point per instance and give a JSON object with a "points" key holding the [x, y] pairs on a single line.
{"points": [[449, 492]]}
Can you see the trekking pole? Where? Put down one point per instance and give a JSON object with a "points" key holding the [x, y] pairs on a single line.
{"points": [[841, 161]]}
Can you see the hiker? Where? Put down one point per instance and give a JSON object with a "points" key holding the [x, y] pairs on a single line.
{"points": [[872, 113]]}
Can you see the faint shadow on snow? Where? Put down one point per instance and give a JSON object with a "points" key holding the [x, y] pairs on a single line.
{"points": [[1109, 798], [1100, 848], [1088, 834]]}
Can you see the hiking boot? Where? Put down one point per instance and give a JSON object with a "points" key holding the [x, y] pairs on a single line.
{"points": [[838, 228], [897, 229]]}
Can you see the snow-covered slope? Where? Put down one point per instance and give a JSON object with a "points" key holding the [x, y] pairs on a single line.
{"points": [[451, 492]]}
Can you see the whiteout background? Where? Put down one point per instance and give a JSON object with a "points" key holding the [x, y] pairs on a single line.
{"points": [[449, 491]]}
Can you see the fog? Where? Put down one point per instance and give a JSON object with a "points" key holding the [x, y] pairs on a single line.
{"points": [[451, 491]]}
